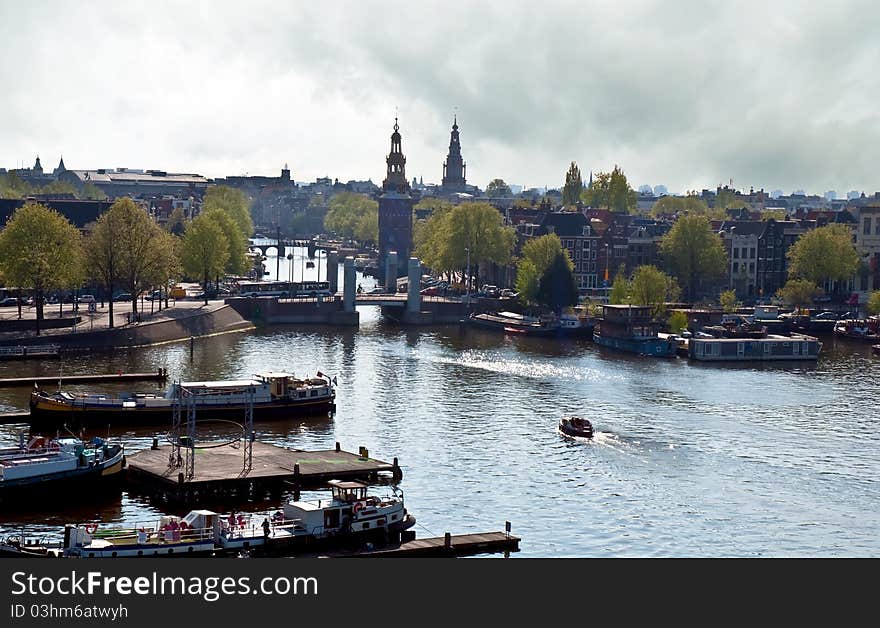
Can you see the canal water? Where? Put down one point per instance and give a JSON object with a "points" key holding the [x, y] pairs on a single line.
{"points": [[688, 459]]}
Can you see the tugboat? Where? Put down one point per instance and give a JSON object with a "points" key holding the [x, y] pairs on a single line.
{"points": [[576, 426], [272, 395], [56, 463], [350, 517]]}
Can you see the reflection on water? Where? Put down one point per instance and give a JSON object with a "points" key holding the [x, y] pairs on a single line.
{"points": [[687, 460]]}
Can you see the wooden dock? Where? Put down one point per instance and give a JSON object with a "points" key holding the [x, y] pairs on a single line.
{"points": [[158, 376], [448, 546], [21, 416], [219, 471]]}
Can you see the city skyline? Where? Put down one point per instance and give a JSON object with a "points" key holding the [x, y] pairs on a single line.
{"points": [[223, 90]]}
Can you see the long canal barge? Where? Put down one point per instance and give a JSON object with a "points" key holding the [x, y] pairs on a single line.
{"points": [[270, 395]]}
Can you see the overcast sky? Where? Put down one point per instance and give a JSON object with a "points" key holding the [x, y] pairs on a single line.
{"points": [[686, 94]]}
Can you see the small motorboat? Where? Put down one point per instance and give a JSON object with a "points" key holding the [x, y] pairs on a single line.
{"points": [[576, 426]]}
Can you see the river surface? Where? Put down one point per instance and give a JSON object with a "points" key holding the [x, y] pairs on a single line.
{"points": [[688, 459]]}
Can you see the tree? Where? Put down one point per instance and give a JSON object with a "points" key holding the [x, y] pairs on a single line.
{"points": [[774, 214], [678, 322], [651, 286], [574, 185], [41, 250], [444, 240], [237, 261], [91, 192], [823, 254], [620, 290], [233, 201], [873, 305], [58, 188], [126, 248], [538, 254], [11, 186], [726, 198], [690, 204], [798, 292], [176, 222], [695, 253], [497, 188], [610, 190], [351, 216], [729, 302], [433, 204], [557, 287], [204, 250]]}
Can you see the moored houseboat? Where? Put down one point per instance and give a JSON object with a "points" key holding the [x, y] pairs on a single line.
{"points": [[515, 323], [270, 394], [632, 328], [57, 463], [770, 348], [350, 517], [862, 330]]}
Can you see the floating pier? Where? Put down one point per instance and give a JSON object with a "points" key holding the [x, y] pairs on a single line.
{"points": [[21, 416], [218, 471], [444, 546], [157, 376]]}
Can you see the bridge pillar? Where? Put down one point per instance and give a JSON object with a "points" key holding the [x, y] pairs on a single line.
{"points": [[414, 279], [391, 272], [333, 270], [348, 285]]}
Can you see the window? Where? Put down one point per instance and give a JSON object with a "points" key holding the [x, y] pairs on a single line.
{"points": [[736, 267], [736, 253], [752, 267], [866, 226]]}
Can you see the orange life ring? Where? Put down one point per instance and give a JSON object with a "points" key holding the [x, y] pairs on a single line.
{"points": [[358, 507], [91, 528], [183, 525]]}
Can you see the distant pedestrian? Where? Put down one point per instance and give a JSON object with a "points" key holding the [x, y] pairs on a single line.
{"points": [[266, 528]]}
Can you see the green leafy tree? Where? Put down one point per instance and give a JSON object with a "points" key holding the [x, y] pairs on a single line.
{"points": [[774, 214], [651, 286], [237, 261], [126, 249], [873, 305], [823, 254], [610, 190], [620, 290], [694, 252], [574, 185], [235, 202], [204, 250], [497, 188], [176, 222], [58, 188], [798, 293], [557, 287], [477, 227], [538, 254], [669, 205], [351, 216], [91, 192], [727, 198], [12, 186], [728, 301], [40, 250], [678, 322], [433, 204]]}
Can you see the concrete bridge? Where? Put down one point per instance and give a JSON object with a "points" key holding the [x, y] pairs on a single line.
{"points": [[410, 308], [263, 246]]}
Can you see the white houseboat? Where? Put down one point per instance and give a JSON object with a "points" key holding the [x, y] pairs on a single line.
{"points": [[770, 348]]}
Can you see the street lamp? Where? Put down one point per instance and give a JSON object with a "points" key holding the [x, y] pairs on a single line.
{"points": [[290, 267]]}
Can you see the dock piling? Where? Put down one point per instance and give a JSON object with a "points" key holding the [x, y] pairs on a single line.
{"points": [[447, 540], [338, 448]]}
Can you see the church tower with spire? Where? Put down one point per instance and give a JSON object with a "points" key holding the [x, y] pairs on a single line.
{"points": [[395, 209], [454, 168]]}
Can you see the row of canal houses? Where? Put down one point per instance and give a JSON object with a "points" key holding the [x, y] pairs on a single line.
{"points": [[601, 243]]}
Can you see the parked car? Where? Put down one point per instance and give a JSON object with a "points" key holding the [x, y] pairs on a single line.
{"points": [[122, 296], [825, 316], [8, 301], [155, 295], [507, 293], [376, 290], [86, 298], [433, 291]]}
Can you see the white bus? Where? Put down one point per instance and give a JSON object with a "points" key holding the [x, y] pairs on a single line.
{"points": [[284, 289]]}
